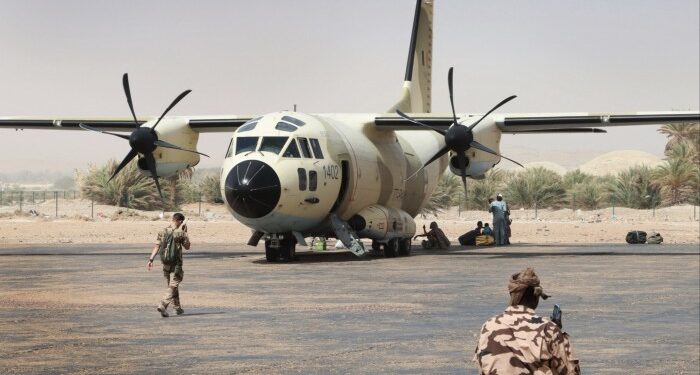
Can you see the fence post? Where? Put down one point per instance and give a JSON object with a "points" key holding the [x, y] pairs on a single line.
{"points": [[200, 203], [535, 210], [21, 196], [44, 198], [1, 203], [92, 208], [33, 200], [55, 197], [612, 201], [573, 205]]}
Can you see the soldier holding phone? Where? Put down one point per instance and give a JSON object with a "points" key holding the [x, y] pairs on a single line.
{"points": [[520, 342]]}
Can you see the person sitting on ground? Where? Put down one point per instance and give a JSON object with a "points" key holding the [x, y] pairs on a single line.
{"points": [[469, 238], [487, 231], [435, 238], [520, 342]]}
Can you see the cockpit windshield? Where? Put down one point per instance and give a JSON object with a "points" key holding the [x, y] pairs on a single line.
{"points": [[246, 144], [273, 144]]}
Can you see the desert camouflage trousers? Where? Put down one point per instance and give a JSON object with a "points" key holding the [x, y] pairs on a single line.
{"points": [[173, 278]]}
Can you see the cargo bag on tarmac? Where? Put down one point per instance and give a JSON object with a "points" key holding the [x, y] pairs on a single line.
{"points": [[636, 237], [485, 240], [655, 238]]}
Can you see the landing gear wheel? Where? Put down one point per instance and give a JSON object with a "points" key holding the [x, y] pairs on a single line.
{"points": [[391, 249], [287, 250], [405, 246], [376, 247], [272, 254]]}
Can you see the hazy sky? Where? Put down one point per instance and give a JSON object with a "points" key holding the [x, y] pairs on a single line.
{"points": [[66, 58]]}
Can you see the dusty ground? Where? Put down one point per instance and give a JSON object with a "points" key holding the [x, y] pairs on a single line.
{"points": [[89, 309], [213, 224]]}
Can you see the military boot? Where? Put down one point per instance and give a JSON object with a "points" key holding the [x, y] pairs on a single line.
{"points": [[163, 311], [179, 310]]}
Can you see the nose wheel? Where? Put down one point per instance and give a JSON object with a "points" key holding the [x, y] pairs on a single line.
{"points": [[281, 250]]}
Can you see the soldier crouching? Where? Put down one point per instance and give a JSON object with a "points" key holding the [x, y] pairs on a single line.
{"points": [[520, 342], [170, 242]]}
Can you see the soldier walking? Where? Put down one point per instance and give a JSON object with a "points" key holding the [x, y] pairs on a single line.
{"points": [[520, 342], [170, 242]]}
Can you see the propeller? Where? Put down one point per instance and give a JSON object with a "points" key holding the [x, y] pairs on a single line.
{"points": [[143, 140], [459, 138]]}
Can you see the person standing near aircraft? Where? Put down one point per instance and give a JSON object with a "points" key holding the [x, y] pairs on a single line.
{"points": [[170, 243], [520, 342], [499, 208]]}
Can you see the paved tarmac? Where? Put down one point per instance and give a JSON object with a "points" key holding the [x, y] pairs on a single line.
{"points": [[91, 309]]}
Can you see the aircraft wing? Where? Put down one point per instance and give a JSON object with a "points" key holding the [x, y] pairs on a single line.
{"points": [[526, 123], [542, 123], [201, 124]]}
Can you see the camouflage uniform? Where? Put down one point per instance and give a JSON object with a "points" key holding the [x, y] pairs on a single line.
{"points": [[172, 295], [520, 342]]}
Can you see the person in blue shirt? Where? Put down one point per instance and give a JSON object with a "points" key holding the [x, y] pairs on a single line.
{"points": [[487, 231], [499, 208]]}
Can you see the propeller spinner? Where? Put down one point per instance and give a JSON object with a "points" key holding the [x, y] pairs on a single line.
{"points": [[143, 140], [459, 138]]}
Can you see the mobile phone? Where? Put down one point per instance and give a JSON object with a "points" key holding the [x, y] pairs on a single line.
{"points": [[556, 315]]}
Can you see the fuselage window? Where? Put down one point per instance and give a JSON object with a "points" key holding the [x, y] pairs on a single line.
{"points": [[316, 147], [273, 144], [292, 150], [246, 144], [302, 178], [285, 126], [247, 127], [229, 150], [313, 180], [293, 120], [305, 147]]}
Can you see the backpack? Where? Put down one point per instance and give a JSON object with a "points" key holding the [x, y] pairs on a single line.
{"points": [[655, 238], [636, 237], [168, 254]]}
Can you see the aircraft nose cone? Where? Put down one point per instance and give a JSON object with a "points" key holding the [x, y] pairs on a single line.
{"points": [[252, 189]]}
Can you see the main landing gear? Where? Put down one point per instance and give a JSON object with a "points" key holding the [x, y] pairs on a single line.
{"points": [[393, 248]]}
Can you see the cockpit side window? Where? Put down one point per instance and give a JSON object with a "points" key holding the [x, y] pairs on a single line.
{"points": [[229, 150], [301, 172], [273, 144], [292, 150], [246, 144], [316, 147], [304, 143], [293, 120], [313, 180]]}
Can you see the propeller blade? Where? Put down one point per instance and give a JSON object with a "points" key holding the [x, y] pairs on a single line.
{"points": [[132, 154], [86, 127], [165, 144], [504, 101], [462, 163], [151, 162], [452, 101], [437, 156], [173, 104], [405, 116], [481, 147], [127, 92]]}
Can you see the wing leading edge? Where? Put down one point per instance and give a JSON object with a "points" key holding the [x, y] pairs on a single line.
{"points": [[203, 124]]}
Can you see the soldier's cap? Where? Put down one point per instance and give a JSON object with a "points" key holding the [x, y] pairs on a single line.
{"points": [[519, 282]]}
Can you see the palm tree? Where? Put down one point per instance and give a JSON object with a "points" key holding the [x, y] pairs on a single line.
{"points": [[634, 188], [446, 195], [678, 176], [129, 188], [481, 190], [535, 187]]}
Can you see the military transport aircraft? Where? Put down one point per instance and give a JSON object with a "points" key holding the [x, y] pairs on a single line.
{"points": [[290, 175]]}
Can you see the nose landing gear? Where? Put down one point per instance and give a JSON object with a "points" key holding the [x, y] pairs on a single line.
{"points": [[280, 249]]}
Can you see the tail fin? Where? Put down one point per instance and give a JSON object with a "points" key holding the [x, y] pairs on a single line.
{"points": [[417, 85]]}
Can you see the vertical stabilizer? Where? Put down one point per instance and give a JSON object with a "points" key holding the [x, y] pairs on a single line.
{"points": [[417, 85]]}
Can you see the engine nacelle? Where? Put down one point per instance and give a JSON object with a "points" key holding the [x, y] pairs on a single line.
{"points": [[169, 161], [382, 224]]}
